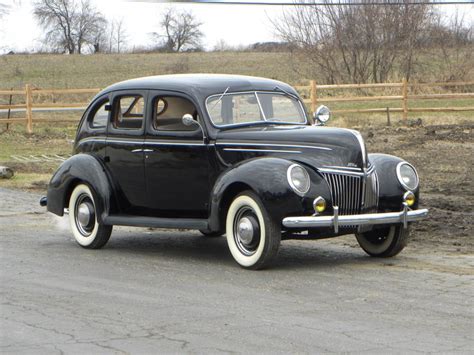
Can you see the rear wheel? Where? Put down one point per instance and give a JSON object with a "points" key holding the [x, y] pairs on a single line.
{"points": [[385, 242], [253, 236], [83, 219]]}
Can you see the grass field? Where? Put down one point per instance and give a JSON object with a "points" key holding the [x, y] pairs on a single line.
{"points": [[99, 71]]}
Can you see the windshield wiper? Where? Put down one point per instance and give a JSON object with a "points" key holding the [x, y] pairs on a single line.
{"points": [[286, 92], [220, 97]]}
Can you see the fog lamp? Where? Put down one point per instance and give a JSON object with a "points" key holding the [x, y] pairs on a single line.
{"points": [[319, 204], [409, 198]]}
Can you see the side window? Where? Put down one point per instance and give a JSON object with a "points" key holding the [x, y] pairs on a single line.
{"points": [[129, 112], [168, 112], [100, 116]]}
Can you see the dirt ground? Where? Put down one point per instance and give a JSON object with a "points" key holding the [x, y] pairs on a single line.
{"points": [[442, 154], [444, 158]]}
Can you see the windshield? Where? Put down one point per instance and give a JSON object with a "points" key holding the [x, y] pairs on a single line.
{"points": [[254, 107]]}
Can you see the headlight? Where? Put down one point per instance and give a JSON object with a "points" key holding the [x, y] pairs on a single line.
{"points": [[298, 179], [407, 176], [322, 115]]}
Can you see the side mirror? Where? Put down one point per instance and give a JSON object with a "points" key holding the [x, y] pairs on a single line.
{"points": [[108, 107], [321, 115], [188, 120]]}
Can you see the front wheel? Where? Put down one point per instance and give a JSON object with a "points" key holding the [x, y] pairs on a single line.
{"points": [[385, 242], [83, 219], [253, 236]]}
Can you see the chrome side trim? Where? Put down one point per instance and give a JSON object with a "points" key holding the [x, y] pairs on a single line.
{"points": [[158, 142], [141, 141], [271, 145], [88, 139], [262, 150], [405, 216]]}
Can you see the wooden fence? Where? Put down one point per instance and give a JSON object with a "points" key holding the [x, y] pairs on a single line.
{"points": [[29, 94], [404, 96]]}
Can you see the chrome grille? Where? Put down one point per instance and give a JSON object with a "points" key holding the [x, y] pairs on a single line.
{"points": [[371, 193], [353, 194]]}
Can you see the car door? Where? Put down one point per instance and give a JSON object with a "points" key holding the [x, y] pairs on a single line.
{"points": [[124, 150], [177, 161]]}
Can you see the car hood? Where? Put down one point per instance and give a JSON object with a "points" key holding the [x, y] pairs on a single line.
{"points": [[312, 145]]}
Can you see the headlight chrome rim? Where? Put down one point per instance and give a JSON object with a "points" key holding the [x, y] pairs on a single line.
{"points": [[400, 178], [291, 183]]}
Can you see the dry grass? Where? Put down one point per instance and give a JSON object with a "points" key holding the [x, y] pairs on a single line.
{"points": [[99, 71]]}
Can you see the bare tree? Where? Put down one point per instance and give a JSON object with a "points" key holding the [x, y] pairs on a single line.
{"points": [[358, 43], [4, 8], [453, 37], [111, 38], [222, 46], [118, 35], [180, 30], [69, 24]]}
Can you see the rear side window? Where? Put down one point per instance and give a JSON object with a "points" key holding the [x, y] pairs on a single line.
{"points": [[168, 112], [100, 116], [129, 112]]}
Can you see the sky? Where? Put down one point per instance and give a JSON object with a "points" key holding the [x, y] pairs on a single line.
{"points": [[235, 24]]}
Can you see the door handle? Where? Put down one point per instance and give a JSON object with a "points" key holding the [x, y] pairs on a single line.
{"points": [[137, 151], [148, 150]]}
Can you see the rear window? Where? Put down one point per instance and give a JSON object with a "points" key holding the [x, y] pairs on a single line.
{"points": [[100, 116], [129, 112]]}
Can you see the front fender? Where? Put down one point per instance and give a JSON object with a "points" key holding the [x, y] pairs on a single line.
{"points": [[390, 190], [80, 168], [267, 177]]}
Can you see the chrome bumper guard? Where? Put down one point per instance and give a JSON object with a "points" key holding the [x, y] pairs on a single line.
{"points": [[336, 221]]}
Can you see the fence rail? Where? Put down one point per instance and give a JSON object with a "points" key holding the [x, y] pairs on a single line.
{"points": [[315, 98], [404, 97], [29, 94]]}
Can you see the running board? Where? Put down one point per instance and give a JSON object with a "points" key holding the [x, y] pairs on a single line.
{"points": [[155, 222]]}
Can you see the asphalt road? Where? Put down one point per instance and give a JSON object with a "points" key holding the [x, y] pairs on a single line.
{"points": [[168, 292]]}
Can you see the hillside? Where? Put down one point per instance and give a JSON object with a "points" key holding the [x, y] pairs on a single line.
{"points": [[90, 71]]}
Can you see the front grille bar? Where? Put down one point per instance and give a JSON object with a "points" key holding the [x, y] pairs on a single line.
{"points": [[353, 194]]}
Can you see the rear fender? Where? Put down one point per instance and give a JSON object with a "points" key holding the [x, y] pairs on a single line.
{"points": [[81, 168]]}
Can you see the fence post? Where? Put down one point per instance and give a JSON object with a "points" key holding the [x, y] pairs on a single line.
{"points": [[405, 98], [314, 97], [29, 111], [9, 109]]}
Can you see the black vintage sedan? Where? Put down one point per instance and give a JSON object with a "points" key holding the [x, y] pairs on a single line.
{"points": [[233, 155]]}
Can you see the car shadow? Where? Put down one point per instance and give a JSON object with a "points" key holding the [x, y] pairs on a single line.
{"points": [[191, 246]]}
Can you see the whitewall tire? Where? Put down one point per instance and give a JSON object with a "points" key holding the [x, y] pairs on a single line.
{"points": [[252, 236], [83, 219], [385, 242]]}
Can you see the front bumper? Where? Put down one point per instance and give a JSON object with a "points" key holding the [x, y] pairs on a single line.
{"points": [[336, 221]]}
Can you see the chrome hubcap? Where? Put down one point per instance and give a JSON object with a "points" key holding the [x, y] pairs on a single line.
{"points": [[85, 215], [246, 231]]}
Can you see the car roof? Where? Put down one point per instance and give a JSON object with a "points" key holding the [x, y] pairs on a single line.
{"points": [[200, 85]]}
